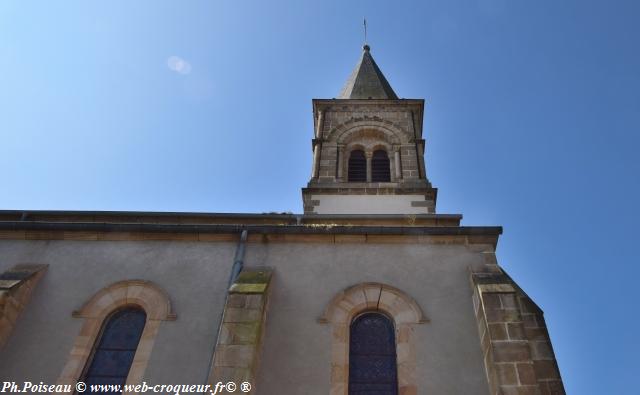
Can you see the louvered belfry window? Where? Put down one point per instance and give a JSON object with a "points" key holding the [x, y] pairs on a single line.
{"points": [[372, 356], [114, 351], [357, 166], [380, 171]]}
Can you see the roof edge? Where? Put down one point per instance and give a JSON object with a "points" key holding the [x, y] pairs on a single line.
{"points": [[263, 229]]}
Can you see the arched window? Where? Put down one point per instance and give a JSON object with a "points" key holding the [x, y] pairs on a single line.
{"points": [[113, 352], [380, 171], [372, 356], [357, 166]]}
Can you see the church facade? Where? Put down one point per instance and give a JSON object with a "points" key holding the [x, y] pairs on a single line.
{"points": [[369, 291]]}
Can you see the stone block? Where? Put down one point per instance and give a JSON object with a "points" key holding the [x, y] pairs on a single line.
{"points": [[404, 333], [5, 330], [78, 235], [541, 350], [43, 235], [502, 316], [227, 373], [225, 336], [241, 315], [529, 321], [511, 352], [527, 306], [552, 387], [408, 390], [236, 300], [546, 370], [506, 373], [520, 390], [491, 301], [339, 372], [494, 288], [12, 234], [405, 351], [350, 238], [254, 301], [118, 236], [244, 333], [508, 301], [490, 258], [526, 374], [161, 236], [536, 333], [498, 331], [340, 333], [485, 341], [516, 331], [11, 311], [235, 355]]}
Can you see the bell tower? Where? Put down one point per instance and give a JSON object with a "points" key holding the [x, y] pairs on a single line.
{"points": [[368, 150]]}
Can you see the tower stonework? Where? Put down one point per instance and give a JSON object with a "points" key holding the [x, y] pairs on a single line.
{"points": [[368, 118]]}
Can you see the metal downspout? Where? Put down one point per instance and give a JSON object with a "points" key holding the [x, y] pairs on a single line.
{"points": [[238, 264], [238, 260]]}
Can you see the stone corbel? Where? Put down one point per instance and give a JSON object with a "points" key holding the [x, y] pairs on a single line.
{"points": [[16, 286]]}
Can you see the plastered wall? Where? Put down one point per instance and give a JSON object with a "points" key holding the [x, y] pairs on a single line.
{"points": [[296, 355]]}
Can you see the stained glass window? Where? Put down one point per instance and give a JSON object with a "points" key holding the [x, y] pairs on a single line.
{"points": [[114, 351], [372, 356]]}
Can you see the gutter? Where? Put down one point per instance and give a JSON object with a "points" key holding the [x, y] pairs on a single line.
{"points": [[260, 229]]}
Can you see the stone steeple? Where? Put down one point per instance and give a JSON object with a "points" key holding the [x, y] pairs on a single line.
{"points": [[368, 150], [367, 81]]}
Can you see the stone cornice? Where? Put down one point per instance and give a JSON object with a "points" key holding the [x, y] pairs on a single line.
{"points": [[174, 218], [262, 229], [323, 103], [323, 233]]}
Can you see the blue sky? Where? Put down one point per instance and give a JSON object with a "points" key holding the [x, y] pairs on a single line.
{"points": [[532, 123]]}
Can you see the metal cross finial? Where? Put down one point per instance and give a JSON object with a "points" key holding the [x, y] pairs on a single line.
{"points": [[365, 31]]}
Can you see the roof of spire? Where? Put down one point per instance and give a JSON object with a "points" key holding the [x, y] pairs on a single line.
{"points": [[366, 81]]}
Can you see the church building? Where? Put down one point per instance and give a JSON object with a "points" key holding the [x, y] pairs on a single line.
{"points": [[369, 291]]}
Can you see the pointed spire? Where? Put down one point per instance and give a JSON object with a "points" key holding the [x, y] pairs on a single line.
{"points": [[367, 81]]}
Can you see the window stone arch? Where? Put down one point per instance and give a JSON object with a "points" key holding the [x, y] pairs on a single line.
{"points": [[400, 307], [143, 294], [394, 133], [369, 137]]}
